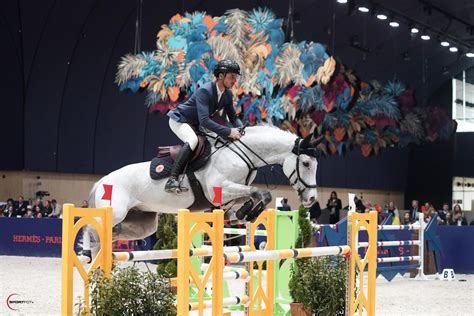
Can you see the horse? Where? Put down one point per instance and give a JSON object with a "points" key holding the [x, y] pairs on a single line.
{"points": [[137, 200]]}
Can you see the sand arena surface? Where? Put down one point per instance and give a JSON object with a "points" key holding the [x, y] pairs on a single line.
{"points": [[38, 280]]}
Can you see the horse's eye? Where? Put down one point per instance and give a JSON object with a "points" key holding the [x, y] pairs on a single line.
{"points": [[306, 164]]}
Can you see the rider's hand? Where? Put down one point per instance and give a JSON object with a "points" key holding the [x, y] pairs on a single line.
{"points": [[234, 133]]}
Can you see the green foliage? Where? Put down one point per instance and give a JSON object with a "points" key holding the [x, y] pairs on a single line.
{"points": [[130, 292], [320, 284], [167, 239], [306, 230]]}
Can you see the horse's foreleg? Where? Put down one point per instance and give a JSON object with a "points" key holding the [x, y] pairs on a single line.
{"points": [[255, 199]]}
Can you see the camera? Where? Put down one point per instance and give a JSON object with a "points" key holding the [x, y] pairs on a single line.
{"points": [[41, 194]]}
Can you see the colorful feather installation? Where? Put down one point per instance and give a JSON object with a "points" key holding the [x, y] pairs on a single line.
{"points": [[297, 86]]}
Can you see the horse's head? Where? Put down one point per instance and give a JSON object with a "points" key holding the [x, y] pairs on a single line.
{"points": [[300, 168]]}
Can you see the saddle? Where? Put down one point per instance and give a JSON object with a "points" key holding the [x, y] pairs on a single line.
{"points": [[160, 168], [172, 151]]}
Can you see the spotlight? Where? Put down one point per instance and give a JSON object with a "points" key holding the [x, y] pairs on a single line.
{"points": [[453, 49], [444, 43], [363, 9], [381, 16], [394, 24], [470, 54], [425, 37], [342, 1], [414, 30]]}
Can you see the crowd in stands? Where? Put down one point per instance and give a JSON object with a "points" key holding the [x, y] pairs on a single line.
{"points": [[445, 216], [42, 208], [38, 208]]}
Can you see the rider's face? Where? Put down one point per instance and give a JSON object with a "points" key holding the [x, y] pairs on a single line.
{"points": [[229, 80]]}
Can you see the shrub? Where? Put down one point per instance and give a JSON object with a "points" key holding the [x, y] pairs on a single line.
{"points": [[130, 292], [320, 284], [166, 239]]}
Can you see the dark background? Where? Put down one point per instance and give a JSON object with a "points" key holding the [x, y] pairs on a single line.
{"points": [[62, 112]]}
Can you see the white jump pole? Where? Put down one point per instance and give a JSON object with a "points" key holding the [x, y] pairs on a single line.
{"points": [[170, 253], [285, 253], [421, 248]]}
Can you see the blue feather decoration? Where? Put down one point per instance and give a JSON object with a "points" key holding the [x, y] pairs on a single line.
{"points": [[383, 104], [394, 88], [311, 99], [196, 50]]}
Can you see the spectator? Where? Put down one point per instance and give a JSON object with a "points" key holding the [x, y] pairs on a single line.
{"points": [[315, 212], [56, 209], [393, 210], [458, 216], [406, 218], [284, 205], [38, 203], [29, 212], [448, 219], [39, 215], [48, 209], [10, 211], [21, 205], [10, 202], [414, 210], [85, 204], [429, 213], [38, 210], [442, 213], [360, 207], [334, 205], [427, 205]]}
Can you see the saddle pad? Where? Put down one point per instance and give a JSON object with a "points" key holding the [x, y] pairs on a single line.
{"points": [[160, 167]]}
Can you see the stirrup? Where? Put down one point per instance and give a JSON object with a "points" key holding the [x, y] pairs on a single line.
{"points": [[175, 187], [177, 190]]}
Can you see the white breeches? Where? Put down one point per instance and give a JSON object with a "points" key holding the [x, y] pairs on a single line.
{"points": [[184, 132]]}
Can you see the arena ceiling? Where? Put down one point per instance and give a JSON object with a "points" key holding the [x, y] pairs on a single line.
{"points": [[63, 112]]}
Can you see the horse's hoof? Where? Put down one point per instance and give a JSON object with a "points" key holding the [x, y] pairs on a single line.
{"points": [[244, 209], [253, 214]]}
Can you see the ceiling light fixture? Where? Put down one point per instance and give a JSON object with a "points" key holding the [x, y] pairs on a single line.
{"points": [[363, 9], [342, 1], [414, 30], [381, 16], [470, 54], [444, 43], [425, 37], [394, 24], [453, 49]]}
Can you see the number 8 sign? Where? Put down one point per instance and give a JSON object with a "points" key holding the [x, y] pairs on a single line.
{"points": [[448, 275]]}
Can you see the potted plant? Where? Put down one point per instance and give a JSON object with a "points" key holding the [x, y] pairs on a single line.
{"points": [[298, 292], [317, 285]]}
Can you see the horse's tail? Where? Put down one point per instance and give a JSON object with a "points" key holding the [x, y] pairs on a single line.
{"points": [[92, 194]]}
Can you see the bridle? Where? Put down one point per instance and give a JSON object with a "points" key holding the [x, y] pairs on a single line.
{"points": [[298, 151]]}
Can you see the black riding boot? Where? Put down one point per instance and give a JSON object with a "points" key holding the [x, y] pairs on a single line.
{"points": [[172, 185]]}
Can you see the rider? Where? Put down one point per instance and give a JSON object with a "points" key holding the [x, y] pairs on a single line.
{"points": [[197, 111]]}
